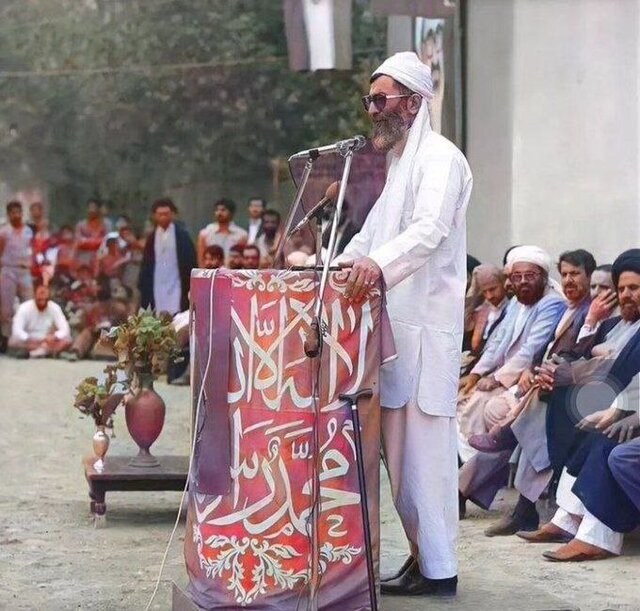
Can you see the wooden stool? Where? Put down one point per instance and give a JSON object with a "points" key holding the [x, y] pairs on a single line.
{"points": [[118, 475]]}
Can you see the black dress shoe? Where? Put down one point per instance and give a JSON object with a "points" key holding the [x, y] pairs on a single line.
{"points": [[510, 525], [413, 583], [408, 564], [524, 517], [462, 506]]}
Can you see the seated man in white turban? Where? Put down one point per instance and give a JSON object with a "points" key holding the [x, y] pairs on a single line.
{"points": [[528, 326], [415, 238]]}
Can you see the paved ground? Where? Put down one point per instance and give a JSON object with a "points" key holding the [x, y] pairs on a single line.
{"points": [[52, 558]]}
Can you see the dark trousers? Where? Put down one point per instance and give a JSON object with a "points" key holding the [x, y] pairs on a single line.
{"points": [[563, 438], [624, 462]]}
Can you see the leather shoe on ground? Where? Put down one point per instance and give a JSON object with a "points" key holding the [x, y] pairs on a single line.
{"points": [[413, 583], [510, 525], [504, 439], [408, 564], [577, 551], [462, 506], [547, 533]]}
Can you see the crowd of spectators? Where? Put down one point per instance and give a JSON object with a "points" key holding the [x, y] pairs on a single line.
{"points": [[60, 286], [548, 399]]}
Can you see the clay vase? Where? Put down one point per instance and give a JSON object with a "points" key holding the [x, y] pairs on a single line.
{"points": [[100, 447], [144, 414]]}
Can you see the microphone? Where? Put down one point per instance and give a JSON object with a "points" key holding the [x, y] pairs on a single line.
{"points": [[329, 197], [342, 146]]}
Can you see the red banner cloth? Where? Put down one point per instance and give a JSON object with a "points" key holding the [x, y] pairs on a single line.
{"points": [[252, 547]]}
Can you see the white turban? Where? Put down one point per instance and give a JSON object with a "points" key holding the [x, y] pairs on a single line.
{"points": [[529, 254], [408, 69]]}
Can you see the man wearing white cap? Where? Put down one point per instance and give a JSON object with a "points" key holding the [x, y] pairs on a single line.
{"points": [[415, 239], [530, 322]]}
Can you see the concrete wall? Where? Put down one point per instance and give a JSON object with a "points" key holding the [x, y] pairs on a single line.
{"points": [[552, 125]]}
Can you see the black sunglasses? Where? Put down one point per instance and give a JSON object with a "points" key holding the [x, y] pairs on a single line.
{"points": [[379, 100]]}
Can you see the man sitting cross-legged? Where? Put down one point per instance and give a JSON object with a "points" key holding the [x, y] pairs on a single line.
{"points": [[39, 327]]}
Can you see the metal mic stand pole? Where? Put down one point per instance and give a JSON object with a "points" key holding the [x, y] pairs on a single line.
{"points": [[318, 227], [313, 348], [279, 258]]}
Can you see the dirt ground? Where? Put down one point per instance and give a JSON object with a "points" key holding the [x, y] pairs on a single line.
{"points": [[51, 557]]}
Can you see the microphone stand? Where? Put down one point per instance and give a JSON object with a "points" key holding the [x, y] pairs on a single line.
{"points": [[318, 227], [279, 256], [313, 349], [314, 341], [313, 346]]}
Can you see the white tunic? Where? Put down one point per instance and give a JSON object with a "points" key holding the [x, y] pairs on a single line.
{"points": [[212, 236], [31, 323], [167, 290], [416, 233]]}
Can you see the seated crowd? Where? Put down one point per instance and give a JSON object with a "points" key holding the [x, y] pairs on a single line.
{"points": [[549, 395], [60, 287]]}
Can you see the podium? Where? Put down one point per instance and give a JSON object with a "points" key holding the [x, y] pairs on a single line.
{"points": [[274, 511]]}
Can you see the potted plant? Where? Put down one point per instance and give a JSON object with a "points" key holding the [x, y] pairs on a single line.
{"points": [[143, 346]]}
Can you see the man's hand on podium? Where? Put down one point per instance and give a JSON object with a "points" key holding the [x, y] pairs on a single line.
{"points": [[364, 274]]}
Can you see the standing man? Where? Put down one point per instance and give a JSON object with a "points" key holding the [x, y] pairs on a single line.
{"points": [[37, 218], [41, 267], [255, 208], [269, 237], [415, 239], [167, 261], [15, 267], [89, 234], [224, 232]]}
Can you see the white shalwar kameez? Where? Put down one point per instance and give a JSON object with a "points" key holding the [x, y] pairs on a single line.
{"points": [[574, 517], [416, 233], [167, 289]]}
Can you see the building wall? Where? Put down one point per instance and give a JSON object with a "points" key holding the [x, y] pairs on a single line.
{"points": [[553, 126], [489, 137]]}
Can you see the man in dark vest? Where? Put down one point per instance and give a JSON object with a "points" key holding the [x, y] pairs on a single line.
{"points": [[169, 256]]}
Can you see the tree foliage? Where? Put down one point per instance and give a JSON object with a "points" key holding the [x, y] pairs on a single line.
{"points": [[127, 98]]}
